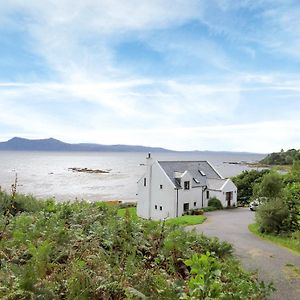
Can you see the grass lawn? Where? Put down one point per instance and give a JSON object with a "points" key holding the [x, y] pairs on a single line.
{"points": [[284, 241], [183, 220], [131, 210]]}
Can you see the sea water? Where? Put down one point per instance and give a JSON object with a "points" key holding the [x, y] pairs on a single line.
{"points": [[47, 174]]}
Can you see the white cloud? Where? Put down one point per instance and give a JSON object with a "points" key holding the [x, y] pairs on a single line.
{"points": [[76, 40]]}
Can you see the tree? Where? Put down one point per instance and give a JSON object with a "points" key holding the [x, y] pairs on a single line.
{"points": [[292, 199], [273, 216], [293, 176], [270, 186], [245, 183]]}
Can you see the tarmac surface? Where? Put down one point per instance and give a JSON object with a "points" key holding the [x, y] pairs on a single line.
{"points": [[273, 263]]}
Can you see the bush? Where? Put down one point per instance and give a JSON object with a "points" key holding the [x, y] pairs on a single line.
{"points": [[292, 200], [86, 251], [215, 202], [245, 183], [273, 216], [271, 186], [209, 208]]}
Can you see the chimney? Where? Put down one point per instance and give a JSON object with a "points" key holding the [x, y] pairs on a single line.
{"points": [[149, 155]]}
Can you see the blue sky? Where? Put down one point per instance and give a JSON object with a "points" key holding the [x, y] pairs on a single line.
{"points": [[181, 74]]}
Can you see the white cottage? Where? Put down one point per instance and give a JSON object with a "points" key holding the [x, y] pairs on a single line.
{"points": [[169, 188]]}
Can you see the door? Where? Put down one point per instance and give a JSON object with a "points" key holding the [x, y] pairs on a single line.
{"points": [[229, 198], [186, 207]]}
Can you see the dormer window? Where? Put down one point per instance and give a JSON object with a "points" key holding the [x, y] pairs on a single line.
{"points": [[186, 185]]}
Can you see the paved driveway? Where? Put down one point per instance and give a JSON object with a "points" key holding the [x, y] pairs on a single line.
{"points": [[272, 262]]}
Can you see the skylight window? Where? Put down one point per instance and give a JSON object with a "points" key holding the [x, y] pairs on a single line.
{"points": [[196, 180], [202, 173]]}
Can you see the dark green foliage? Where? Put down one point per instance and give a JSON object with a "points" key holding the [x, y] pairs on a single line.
{"points": [[209, 277], [292, 200], [87, 251], [215, 202], [270, 187], [293, 176], [209, 208], [282, 157], [245, 183], [280, 194], [273, 216]]}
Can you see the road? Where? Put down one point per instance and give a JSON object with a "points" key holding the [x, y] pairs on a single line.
{"points": [[273, 263]]}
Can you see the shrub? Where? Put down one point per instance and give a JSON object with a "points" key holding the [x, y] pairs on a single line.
{"points": [[245, 183], [273, 216], [209, 208], [215, 202], [292, 200], [271, 186], [86, 250]]}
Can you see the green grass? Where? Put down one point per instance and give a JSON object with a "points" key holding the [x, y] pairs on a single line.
{"points": [[183, 220], [186, 220], [131, 210], [284, 241]]}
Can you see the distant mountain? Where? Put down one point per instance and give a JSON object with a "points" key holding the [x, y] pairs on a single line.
{"points": [[21, 144]]}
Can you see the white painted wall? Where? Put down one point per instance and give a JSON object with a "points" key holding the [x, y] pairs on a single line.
{"points": [[156, 203], [221, 195], [189, 196], [152, 197], [164, 197]]}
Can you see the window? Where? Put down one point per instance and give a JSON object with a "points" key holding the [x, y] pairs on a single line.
{"points": [[196, 180], [202, 173], [160, 186], [207, 194], [195, 203], [160, 208], [155, 206], [145, 181], [186, 185], [186, 206]]}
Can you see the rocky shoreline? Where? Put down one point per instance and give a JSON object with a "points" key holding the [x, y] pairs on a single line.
{"points": [[87, 170]]}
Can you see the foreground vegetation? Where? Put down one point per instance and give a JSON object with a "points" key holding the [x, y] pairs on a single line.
{"points": [[290, 241], [89, 251]]}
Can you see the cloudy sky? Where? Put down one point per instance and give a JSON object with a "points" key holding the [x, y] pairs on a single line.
{"points": [[181, 74]]}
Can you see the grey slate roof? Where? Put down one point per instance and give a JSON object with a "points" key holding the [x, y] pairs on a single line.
{"points": [[193, 167], [215, 184]]}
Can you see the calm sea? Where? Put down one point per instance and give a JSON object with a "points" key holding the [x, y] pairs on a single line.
{"points": [[46, 174]]}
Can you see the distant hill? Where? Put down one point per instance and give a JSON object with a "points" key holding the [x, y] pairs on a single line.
{"points": [[282, 157], [21, 144]]}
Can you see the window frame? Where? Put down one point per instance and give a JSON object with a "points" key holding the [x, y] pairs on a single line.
{"points": [[186, 185]]}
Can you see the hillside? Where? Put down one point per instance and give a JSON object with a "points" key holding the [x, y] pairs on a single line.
{"points": [[282, 157], [21, 144]]}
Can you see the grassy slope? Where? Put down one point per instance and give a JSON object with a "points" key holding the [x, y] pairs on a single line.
{"points": [[284, 241], [183, 220]]}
